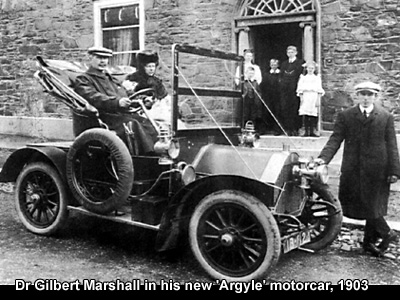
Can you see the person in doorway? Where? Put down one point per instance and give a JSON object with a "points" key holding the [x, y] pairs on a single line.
{"points": [[290, 73], [252, 107], [370, 164], [109, 97], [248, 61], [310, 91], [271, 95]]}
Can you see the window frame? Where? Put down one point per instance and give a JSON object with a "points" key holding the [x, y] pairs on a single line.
{"points": [[98, 31]]}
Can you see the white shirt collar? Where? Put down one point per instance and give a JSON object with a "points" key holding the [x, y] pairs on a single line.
{"points": [[276, 71], [368, 109]]}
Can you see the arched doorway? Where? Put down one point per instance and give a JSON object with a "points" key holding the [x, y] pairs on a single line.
{"points": [[269, 26]]}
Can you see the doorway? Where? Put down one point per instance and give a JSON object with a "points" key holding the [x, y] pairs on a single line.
{"points": [[271, 40]]}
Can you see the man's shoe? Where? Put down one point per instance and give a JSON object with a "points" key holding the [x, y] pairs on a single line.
{"points": [[391, 237], [371, 248]]}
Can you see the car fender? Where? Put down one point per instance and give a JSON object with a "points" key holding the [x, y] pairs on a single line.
{"points": [[180, 208], [19, 158]]}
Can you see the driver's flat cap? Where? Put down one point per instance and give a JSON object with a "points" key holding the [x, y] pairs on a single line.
{"points": [[100, 51], [368, 86]]}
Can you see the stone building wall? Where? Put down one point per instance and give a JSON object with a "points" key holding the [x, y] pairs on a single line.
{"points": [[360, 40], [204, 23], [63, 29], [53, 29]]}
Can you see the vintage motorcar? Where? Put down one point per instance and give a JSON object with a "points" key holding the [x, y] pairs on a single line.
{"points": [[238, 206]]}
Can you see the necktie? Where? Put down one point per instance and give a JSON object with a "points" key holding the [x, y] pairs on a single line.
{"points": [[365, 114]]}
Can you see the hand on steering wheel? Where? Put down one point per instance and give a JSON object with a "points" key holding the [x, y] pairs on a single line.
{"points": [[125, 102]]}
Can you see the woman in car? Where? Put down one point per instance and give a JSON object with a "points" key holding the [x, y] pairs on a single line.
{"points": [[144, 77]]}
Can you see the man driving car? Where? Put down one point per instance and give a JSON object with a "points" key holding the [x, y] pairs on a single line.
{"points": [[109, 97]]}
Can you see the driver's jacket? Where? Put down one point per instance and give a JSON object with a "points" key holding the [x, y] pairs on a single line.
{"points": [[103, 91]]}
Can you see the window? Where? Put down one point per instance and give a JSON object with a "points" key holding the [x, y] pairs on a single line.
{"points": [[275, 7], [119, 25]]}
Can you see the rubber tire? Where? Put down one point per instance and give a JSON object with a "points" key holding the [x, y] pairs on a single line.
{"points": [[62, 211], [124, 166], [254, 207], [334, 222]]}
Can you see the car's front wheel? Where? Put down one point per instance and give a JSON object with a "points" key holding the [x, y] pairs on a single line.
{"points": [[323, 216], [234, 236], [41, 198]]}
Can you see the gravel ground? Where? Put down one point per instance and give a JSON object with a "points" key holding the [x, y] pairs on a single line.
{"points": [[91, 248], [394, 207]]}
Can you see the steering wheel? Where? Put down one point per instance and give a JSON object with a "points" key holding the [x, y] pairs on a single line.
{"points": [[141, 98], [136, 110], [141, 92]]}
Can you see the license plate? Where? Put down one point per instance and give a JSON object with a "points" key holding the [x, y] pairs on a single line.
{"points": [[296, 240]]}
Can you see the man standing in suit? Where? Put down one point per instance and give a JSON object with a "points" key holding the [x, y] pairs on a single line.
{"points": [[290, 102], [370, 164]]}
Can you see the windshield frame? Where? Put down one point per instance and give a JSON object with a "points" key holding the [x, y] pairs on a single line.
{"points": [[202, 92]]}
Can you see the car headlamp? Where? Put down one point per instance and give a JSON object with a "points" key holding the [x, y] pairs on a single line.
{"points": [[313, 172], [173, 149], [167, 147], [188, 173]]}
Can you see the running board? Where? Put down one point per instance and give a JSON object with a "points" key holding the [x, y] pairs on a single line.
{"points": [[125, 219]]}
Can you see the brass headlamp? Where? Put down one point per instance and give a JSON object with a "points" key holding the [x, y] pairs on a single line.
{"points": [[311, 171], [167, 147], [188, 173]]}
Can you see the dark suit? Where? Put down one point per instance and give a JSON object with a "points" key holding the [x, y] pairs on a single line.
{"points": [[290, 73], [271, 95], [370, 155], [103, 91], [252, 107]]}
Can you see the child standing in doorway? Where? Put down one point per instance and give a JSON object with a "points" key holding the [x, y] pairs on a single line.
{"points": [[310, 91], [251, 95]]}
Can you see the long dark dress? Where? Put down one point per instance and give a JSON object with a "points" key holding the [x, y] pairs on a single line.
{"points": [[271, 95]]}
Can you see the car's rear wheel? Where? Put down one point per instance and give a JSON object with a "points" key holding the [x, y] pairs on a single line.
{"points": [[234, 236], [41, 199], [99, 170]]}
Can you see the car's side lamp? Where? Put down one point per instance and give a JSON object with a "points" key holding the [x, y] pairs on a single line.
{"points": [[167, 147], [249, 137], [188, 174]]}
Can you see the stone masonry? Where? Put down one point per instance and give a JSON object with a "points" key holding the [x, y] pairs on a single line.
{"points": [[53, 29], [360, 41]]}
